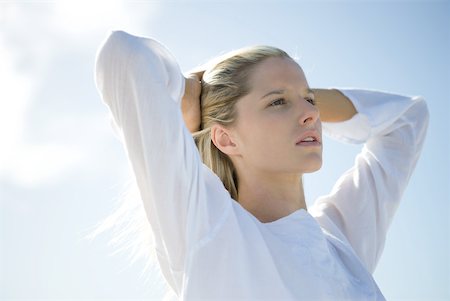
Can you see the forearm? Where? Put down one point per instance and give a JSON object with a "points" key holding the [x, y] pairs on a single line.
{"points": [[333, 105], [190, 102]]}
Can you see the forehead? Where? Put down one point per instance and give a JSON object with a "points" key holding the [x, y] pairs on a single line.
{"points": [[277, 71]]}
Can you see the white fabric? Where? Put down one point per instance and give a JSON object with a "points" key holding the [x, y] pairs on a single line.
{"points": [[208, 246]]}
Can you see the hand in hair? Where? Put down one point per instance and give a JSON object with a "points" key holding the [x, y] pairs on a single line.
{"points": [[190, 103]]}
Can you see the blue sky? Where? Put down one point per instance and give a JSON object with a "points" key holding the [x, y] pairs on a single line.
{"points": [[61, 168]]}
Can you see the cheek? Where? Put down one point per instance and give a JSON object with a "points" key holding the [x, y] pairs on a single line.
{"points": [[250, 136], [263, 135], [266, 139]]}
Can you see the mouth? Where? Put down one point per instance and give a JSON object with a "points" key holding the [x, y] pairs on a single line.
{"points": [[310, 138]]}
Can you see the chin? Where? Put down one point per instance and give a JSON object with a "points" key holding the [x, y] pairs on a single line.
{"points": [[313, 165], [311, 170]]}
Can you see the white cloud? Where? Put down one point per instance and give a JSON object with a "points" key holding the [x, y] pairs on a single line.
{"points": [[75, 16], [31, 35], [14, 99], [35, 165]]}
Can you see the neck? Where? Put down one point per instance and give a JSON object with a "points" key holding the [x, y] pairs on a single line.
{"points": [[270, 198]]}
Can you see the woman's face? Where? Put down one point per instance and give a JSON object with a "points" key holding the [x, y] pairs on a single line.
{"points": [[274, 117]]}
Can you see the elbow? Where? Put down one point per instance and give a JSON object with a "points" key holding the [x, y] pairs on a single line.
{"points": [[420, 121], [115, 43], [422, 104], [110, 63], [111, 55], [423, 113], [102, 62]]}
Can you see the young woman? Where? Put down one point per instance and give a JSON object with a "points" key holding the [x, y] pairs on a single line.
{"points": [[226, 202]]}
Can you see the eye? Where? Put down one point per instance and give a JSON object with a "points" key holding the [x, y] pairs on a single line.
{"points": [[278, 102], [311, 101]]}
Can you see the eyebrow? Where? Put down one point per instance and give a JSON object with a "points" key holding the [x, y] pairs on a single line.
{"points": [[281, 91]]}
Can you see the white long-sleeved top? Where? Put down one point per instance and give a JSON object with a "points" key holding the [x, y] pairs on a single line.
{"points": [[208, 246]]}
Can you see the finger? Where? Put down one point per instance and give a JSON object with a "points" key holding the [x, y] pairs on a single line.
{"points": [[197, 71], [192, 77], [199, 74]]}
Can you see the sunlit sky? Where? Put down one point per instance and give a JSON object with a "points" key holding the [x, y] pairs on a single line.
{"points": [[61, 167]]}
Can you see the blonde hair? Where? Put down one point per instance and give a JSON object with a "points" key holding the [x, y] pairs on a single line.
{"points": [[225, 81]]}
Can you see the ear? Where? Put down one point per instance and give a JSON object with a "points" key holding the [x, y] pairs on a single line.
{"points": [[223, 140]]}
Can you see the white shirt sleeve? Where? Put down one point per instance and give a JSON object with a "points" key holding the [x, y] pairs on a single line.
{"points": [[362, 203], [141, 83]]}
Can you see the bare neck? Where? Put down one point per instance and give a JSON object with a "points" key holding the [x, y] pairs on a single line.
{"points": [[272, 197]]}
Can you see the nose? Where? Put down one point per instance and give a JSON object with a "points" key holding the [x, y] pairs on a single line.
{"points": [[309, 113]]}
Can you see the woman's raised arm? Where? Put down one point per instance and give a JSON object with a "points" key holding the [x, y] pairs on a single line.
{"points": [[362, 203], [142, 85]]}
